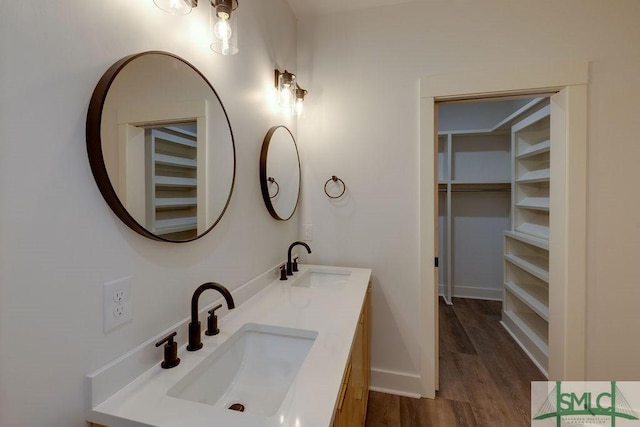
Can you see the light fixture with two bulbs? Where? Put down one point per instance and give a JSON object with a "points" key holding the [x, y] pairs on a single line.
{"points": [[290, 94], [224, 23]]}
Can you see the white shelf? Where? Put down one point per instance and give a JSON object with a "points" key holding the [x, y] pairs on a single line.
{"points": [[526, 283], [469, 182], [536, 327], [174, 138], [531, 333], [535, 230], [534, 203], [174, 225], [526, 238], [175, 202], [470, 164], [172, 155], [164, 159], [532, 119], [540, 175], [480, 158], [534, 150], [517, 113], [182, 130], [536, 297], [172, 181], [534, 265]]}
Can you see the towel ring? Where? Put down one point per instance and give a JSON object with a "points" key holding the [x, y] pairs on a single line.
{"points": [[334, 179], [273, 180]]}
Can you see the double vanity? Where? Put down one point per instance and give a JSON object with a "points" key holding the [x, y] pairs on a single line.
{"points": [[294, 354], [293, 350]]}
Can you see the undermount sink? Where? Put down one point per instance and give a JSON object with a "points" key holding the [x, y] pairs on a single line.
{"points": [[255, 368], [322, 279]]}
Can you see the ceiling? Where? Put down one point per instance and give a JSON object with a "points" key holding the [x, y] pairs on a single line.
{"points": [[304, 8]]}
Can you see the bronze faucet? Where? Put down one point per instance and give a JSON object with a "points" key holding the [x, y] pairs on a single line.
{"points": [[195, 339], [289, 263]]}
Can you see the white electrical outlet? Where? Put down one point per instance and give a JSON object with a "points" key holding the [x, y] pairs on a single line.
{"points": [[307, 232], [118, 311], [119, 296], [117, 303]]}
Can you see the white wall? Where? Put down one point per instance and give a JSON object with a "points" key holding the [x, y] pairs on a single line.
{"points": [[362, 70], [478, 222], [459, 116], [60, 241]]}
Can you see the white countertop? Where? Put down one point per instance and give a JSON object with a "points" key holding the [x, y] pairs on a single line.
{"points": [[332, 312]]}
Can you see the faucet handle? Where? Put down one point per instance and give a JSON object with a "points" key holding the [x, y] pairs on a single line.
{"points": [[212, 322], [294, 267], [213, 310], [171, 359], [283, 273]]}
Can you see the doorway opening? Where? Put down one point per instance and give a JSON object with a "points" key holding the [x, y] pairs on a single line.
{"points": [[476, 166], [493, 272], [567, 198]]}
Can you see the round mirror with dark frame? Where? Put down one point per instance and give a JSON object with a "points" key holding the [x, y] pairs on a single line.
{"points": [[280, 173], [160, 146]]}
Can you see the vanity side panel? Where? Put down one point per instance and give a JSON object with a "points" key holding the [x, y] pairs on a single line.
{"points": [[354, 394]]}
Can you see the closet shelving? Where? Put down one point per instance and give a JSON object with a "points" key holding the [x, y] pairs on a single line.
{"points": [[526, 246], [172, 178], [478, 161], [470, 163], [531, 145], [510, 165]]}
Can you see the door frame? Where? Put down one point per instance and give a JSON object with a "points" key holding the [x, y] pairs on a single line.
{"points": [[568, 225]]}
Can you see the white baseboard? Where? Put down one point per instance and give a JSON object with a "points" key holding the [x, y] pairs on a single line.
{"points": [[524, 348], [474, 293], [398, 383]]}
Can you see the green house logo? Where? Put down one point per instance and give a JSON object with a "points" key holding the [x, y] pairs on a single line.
{"points": [[585, 407]]}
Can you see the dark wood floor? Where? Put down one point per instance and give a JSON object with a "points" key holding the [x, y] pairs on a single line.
{"points": [[484, 376]]}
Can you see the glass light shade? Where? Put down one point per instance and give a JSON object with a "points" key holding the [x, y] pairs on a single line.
{"points": [[299, 104], [224, 34], [286, 91], [174, 7], [299, 108]]}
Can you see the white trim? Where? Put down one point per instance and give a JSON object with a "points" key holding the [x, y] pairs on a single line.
{"points": [[161, 113], [428, 338], [509, 80], [506, 79], [473, 292], [567, 249], [398, 383]]}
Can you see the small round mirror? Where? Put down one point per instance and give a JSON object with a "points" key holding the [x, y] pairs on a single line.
{"points": [[161, 147], [280, 173]]}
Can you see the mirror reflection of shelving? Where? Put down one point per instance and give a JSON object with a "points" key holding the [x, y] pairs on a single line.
{"points": [[172, 205]]}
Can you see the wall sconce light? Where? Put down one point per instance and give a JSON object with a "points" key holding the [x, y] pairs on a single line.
{"points": [[285, 83], [290, 95], [176, 7], [224, 27], [300, 94], [224, 23]]}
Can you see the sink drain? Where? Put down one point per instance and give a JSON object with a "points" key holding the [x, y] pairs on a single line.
{"points": [[237, 407]]}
